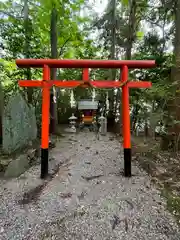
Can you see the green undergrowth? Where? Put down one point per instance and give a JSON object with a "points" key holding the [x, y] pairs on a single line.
{"points": [[164, 171], [173, 202]]}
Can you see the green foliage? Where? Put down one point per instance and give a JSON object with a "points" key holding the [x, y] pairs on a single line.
{"points": [[139, 35], [125, 2], [74, 42], [71, 40]]}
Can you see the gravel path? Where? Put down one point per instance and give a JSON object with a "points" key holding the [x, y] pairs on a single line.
{"points": [[88, 198]]}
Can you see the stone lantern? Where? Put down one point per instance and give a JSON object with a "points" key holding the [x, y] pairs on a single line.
{"points": [[72, 123], [103, 122]]}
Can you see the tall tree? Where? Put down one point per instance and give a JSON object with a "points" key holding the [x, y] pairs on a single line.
{"points": [[131, 33], [175, 107], [112, 6], [27, 46], [54, 54]]}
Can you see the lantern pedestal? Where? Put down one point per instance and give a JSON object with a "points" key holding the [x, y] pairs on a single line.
{"points": [[72, 124], [103, 128]]}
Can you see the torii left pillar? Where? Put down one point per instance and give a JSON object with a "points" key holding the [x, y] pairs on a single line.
{"points": [[45, 122], [45, 84]]}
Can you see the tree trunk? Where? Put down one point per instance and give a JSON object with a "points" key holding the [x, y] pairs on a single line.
{"points": [[28, 34], [174, 104], [176, 76], [54, 54], [113, 32], [111, 114], [130, 40], [131, 28], [135, 117]]}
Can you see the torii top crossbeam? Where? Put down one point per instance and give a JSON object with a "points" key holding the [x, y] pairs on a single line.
{"points": [[76, 63]]}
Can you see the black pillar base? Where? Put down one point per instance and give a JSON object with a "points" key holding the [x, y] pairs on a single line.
{"points": [[44, 162], [127, 162]]}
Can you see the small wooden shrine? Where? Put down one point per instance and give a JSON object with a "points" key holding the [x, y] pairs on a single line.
{"points": [[87, 108]]}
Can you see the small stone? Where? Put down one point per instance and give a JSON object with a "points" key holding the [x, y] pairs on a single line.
{"points": [[133, 181], [82, 195], [66, 195], [87, 162], [147, 186], [31, 153], [30, 143], [17, 167]]}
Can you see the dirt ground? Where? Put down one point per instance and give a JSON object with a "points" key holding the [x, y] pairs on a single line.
{"points": [[86, 197], [164, 168]]}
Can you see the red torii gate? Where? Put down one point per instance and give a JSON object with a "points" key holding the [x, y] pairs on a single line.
{"points": [[46, 83]]}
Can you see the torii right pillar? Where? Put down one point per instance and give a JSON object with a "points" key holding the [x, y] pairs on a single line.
{"points": [[126, 117]]}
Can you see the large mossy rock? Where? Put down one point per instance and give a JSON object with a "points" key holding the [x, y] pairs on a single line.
{"points": [[19, 124]]}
